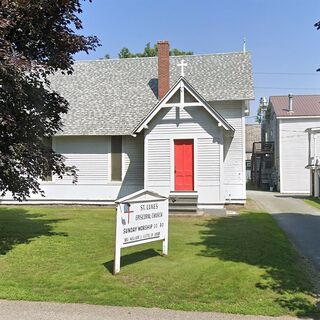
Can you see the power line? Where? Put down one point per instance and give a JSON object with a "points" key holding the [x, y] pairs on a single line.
{"points": [[290, 73], [279, 88]]}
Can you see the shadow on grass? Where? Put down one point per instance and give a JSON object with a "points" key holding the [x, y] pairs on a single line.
{"points": [[253, 238], [132, 258], [315, 199], [17, 226]]}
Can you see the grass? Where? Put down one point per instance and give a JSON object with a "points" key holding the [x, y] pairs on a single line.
{"points": [[242, 264], [315, 202]]}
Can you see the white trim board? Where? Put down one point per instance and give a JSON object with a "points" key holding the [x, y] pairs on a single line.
{"points": [[182, 84], [244, 177], [299, 117], [58, 202], [280, 154]]}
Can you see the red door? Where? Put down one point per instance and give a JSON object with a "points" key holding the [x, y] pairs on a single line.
{"points": [[183, 165]]}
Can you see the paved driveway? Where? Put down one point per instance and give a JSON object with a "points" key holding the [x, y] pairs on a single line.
{"points": [[299, 220]]}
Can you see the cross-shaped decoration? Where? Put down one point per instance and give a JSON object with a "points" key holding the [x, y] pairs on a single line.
{"points": [[127, 210], [182, 64]]}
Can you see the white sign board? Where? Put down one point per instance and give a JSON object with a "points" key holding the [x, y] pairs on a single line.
{"points": [[141, 217]]}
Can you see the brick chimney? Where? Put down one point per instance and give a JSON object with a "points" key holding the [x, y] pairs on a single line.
{"points": [[163, 68]]}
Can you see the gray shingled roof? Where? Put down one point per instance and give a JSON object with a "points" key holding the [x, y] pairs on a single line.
{"points": [[111, 97]]}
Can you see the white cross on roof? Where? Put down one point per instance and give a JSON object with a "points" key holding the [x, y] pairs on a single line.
{"points": [[182, 64]]}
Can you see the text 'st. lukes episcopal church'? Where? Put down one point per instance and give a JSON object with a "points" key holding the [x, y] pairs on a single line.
{"points": [[172, 125]]}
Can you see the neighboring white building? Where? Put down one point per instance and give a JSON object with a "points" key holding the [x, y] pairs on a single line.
{"points": [[170, 126], [314, 160], [287, 121]]}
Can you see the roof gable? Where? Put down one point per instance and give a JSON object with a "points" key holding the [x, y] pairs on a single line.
{"points": [[182, 94]]}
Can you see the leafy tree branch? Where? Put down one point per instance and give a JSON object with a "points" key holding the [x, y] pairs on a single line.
{"points": [[37, 39]]}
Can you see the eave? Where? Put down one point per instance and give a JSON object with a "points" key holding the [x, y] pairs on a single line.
{"points": [[201, 102]]}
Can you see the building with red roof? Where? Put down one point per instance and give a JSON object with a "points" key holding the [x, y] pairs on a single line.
{"points": [[288, 123]]}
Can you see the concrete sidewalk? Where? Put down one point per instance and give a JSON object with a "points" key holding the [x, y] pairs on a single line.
{"points": [[24, 310]]}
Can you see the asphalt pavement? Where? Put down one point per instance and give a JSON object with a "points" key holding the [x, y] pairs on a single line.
{"points": [[299, 220], [24, 310]]}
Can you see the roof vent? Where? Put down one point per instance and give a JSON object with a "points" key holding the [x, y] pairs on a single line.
{"points": [[290, 96]]}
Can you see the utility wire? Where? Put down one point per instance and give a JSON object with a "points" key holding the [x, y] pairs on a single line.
{"points": [[279, 88], [290, 73]]}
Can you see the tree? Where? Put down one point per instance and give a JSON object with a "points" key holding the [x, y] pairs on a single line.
{"points": [[259, 115], [263, 112], [177, 52], [37, 39], [124, 53], [150, 52]]}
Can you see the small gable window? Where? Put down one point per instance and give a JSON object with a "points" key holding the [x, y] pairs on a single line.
{"points": [[116, 158]]}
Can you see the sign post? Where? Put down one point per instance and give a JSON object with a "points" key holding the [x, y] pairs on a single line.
{"points": [[142, 217]]}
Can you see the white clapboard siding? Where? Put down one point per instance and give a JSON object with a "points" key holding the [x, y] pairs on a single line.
{"points": [[158, 166], [187, 121], [81, 144], [233, 146], [195, 123], [92, 168], [294, 153], [88, 154], [233, 150], [208, 159], [133, 160]]}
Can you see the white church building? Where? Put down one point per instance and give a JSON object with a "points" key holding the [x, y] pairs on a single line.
{"points": [[172, 125]]}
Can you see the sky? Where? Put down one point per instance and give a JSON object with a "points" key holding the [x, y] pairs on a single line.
{"points": [[280, 34]]}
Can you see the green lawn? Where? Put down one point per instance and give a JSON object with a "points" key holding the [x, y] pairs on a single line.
{"points": [[315, 202], [242, 264]]}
